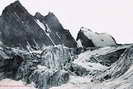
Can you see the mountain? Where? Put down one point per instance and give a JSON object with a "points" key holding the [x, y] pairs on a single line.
{"points": [[87, 38], [18, 29], [56, 30], [54, 60]]}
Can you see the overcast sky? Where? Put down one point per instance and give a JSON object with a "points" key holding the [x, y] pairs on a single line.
{"points": [[114, 17]]}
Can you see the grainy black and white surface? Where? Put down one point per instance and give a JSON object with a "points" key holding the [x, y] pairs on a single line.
{"points": [[37, 52]]}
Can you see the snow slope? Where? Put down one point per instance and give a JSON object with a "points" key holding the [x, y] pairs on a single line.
{"points": [[98, 39], [12, 84], [58, 75], [85, 82]]}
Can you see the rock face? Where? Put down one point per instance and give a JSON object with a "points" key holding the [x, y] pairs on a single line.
{"points": [[9, 63], [18, 29], [45, 68], [87, 38], [56, 30], [108, 58], [56, 66], [119, 68], [98, 60], [93, 75]]}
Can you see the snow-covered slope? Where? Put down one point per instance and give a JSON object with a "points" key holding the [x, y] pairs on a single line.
{"points": [[89, 38], [55, 68], [43, 68], [12, 84], [121, 72]]}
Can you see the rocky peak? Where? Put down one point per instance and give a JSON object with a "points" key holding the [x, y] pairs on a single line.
{"points": [[53, 22], [15, 7], [87, 38], [18, 29], [39, 16], [56, 29]]}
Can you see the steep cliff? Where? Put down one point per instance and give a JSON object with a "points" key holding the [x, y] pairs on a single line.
{"points": [[18, 29]]}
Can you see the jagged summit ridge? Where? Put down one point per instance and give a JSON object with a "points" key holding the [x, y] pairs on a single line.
{"points": [[57, 30], [15, 7], [35, 31]]}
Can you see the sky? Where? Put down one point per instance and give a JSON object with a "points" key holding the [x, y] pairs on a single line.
{"points": [[114, 17]]}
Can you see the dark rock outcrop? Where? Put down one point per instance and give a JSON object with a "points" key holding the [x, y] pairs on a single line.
{"points": [[9, 63], [45, 68], [118, 68], [56, 30], [109, 58], [77, 70], [84, 40], [18, 29], [89, 39]]}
